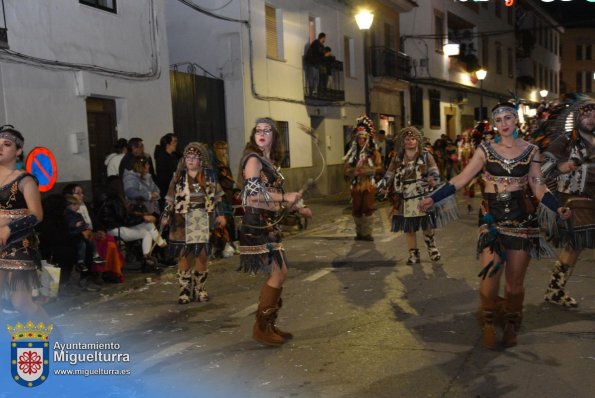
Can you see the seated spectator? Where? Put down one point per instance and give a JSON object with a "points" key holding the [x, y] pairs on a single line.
{"points": [[112, 161], [106, 244], [136, 149], [113, 213], [140, 189], [82, 232]]}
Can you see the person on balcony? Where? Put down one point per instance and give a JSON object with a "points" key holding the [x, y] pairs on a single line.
{"points": [[313, 61]]}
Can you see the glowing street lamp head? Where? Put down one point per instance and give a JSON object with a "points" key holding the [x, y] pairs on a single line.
{"points": [[364, 19], [543, 93], [481, 74], [451, 49]]}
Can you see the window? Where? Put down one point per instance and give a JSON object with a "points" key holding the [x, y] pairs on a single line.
{"points": [[509, 11], [510, 62], [498, 9], [588, 81], [555, 44], [417, 105], [349, 51], [106, 5], [283, 128], [579, 52], [274, 32], [498, 57], [439, 30], [588, 52], [434, 108], [540, 82], [579, 81]]}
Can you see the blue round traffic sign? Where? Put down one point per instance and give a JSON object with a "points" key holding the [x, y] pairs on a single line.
{"points": [[42, 164]]}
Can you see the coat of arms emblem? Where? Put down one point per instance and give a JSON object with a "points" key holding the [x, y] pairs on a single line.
{"points": [[30, 353]]}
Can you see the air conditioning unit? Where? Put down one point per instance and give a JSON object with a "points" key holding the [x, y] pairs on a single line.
{"points": [[4, 38]]}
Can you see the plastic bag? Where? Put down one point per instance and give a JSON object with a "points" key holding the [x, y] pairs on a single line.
{"points": [[49, 275]]}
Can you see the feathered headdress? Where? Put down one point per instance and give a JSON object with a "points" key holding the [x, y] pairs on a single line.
{"points": [[363, 126]]}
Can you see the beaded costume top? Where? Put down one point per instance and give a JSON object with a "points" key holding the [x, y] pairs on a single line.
{"points": [[12, 200], [512, 170]]}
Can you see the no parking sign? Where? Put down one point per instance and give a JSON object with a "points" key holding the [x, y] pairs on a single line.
{"points": [[42, 164]]}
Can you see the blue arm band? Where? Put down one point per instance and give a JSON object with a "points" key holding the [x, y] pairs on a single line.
{"points": [[447, 190], [23, 223], [550, 201]]}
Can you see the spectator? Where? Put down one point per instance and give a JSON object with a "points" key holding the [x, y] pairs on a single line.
{"points": [[113, 160], [106, 244], [326, 69], [114, 215], [166, 162], [314, 59], [136, 149], [140, 189]]}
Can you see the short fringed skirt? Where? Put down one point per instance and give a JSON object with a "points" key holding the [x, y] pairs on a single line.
{"points": [[509, 225], [261, 245], [413, 224], [177, 242], [22, 260], [579, 234]]}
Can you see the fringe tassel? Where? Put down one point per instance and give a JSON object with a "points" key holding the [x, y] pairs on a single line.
{"points": [[413, 224], [548, 220], [26, 280], [261, 262], [446, 211]]}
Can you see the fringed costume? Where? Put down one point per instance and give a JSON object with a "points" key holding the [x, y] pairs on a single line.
{"points": [[193, 203], [508, 220], [564, 138], [20, 256], [260, 235], [363, 161]]}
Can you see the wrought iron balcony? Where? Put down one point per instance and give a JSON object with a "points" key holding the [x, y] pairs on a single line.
{"points": [[390, 63], [324, 82]]}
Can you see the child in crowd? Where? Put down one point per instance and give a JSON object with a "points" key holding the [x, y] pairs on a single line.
{"points": [[78, 227]]}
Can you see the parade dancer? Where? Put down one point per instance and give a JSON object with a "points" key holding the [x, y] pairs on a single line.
{"points": [[509, 234], [261, 248], [194, 195], [20, 211], [568, 136], [363, 161], [412, 173]]}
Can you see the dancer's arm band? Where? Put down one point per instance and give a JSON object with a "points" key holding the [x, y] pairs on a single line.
{"points": [[447, 190], [550, 201], [22, 223]]}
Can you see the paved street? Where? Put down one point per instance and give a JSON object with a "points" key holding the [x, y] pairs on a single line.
{"points": [[365, 323]]}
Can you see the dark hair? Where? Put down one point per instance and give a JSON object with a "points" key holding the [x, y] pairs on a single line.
{"points": [[139, 164], [327, 50], [321, 35], [121, 144], [69, 189], [134, 143], [166, 139], [9, 128], [277, 149]]}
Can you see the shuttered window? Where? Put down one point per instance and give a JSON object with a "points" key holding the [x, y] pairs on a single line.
{"points": [[274, 32], [106, 5]]}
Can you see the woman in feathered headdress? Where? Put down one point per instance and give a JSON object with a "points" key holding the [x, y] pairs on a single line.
{"points": [[411, 174], [363, 161], [194, 195]]}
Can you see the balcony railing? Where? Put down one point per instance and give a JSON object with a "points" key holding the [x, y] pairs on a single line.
{"points": [[390, 63], [324, 82]]}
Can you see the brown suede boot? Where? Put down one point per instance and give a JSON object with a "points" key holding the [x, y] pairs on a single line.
{"points": [[487, 316], [263, 330], [513, 314], [286, 335]]}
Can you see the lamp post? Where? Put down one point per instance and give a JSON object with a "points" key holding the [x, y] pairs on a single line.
{"points": [[543, 94], [481, 75], [364, 19]]}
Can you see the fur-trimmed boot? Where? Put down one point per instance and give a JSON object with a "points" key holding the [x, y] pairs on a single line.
{"points": [[264, 327], [286, 335], [433, 251], [185, 281], [513, 316], [413, 257], [358, 228], [555, 292], [367, 228], [198, 286], [487, 315]]}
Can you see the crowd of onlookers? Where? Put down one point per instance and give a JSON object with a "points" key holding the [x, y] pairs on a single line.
{"points": [[92, 244]]}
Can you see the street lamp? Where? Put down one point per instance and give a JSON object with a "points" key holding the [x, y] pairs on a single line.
{"points": [[543, 94], [364, 19], [481, 75]]}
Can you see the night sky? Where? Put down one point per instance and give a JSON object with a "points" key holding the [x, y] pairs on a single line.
{"points": [[574, 13]]}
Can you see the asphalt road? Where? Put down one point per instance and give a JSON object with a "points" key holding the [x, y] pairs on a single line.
{"points": [[365, 323]]}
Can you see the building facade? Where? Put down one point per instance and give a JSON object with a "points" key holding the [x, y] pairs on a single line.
{"points": [[578, 61], [77, 75]]}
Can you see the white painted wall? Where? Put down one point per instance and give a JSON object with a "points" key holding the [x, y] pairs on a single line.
{"points": [[48, 105], [223, 48]]}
